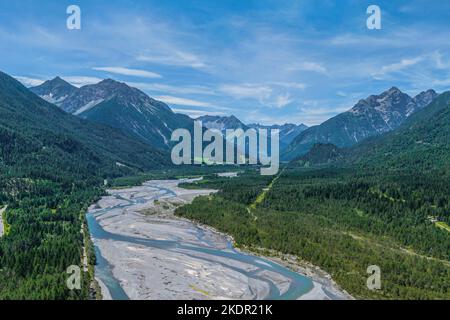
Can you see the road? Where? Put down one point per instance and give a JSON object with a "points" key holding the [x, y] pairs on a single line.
{"points": [[1, 220]]}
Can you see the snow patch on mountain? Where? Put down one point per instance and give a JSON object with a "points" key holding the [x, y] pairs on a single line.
{"points": [[88, 106]]}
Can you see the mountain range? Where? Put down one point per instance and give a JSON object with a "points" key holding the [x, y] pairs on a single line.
{"points": [[288, 131], [55, 91], [53, 163], [120, 106], [373, 116], [36, 136], [117, 105], [137, 115], [421, 142], [221, 123]]}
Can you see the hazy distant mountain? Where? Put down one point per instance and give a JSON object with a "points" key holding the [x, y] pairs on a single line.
{"points": [[128, 109], [370, 117], [288, 131], [221, 123], [55, 91]]}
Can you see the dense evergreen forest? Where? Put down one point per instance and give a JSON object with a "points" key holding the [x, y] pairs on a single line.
{"points": [[342, 221], [384, 202]]}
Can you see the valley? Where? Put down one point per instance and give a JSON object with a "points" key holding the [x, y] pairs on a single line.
{"points": [[333, 219], [224, 150], [151, 254], [304, 234]]}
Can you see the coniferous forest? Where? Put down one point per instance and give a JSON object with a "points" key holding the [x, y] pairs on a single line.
{"points": [[343, 222], [52, 167], [384, 202]]}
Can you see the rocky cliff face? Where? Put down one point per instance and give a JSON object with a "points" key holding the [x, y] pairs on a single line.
{"points": [[369, 117]]}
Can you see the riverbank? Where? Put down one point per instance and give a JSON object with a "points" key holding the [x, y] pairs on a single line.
{"points": [[153, 254], [325, 288]]}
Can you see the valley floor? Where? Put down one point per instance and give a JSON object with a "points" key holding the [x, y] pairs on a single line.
{"points": [[151, 254]]}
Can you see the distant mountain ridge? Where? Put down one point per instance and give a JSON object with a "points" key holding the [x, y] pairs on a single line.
{"points": [[288, 131], [422, 142], [33, 131], [373, 116], [55, 91], [221, 122], [120, 106]]}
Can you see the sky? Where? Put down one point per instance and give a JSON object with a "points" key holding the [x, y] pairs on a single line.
{"points": [[265, 61]]}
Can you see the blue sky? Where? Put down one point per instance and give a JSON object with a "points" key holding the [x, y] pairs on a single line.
{"points": [[267, 61]]}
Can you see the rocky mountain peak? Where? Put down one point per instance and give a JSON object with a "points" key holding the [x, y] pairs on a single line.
{"points": [[394, 90], [421, 101], [54, 91], [57, 81], [372, 116]]}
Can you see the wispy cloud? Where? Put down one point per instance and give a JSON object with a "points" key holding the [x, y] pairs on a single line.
{"points": [[252, 91], [129, 72], [309, 66], [314, 112], [441, 83], [290, 85], [438, 60], [183, 101], [265, 95], [173, 89], [282, 100], [322, 110], [29, 82], [176, 58], [198, 113], [79, 81], [398, 66]]}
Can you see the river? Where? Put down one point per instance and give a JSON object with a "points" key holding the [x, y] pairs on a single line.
{"points": [[257, 277]]}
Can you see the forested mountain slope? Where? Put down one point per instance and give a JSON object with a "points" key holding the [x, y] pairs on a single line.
{"points": [[422, 143], [383, 202], [52, 165], [44, 129], [120, 106], [370, 117]]}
